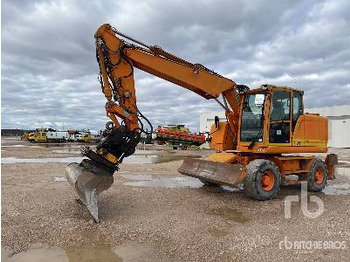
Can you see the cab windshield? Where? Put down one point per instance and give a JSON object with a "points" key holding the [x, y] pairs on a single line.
{"points": [[252, 118]]}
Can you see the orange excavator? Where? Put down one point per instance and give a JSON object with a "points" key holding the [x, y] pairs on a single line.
{"points": [[258, 146]]}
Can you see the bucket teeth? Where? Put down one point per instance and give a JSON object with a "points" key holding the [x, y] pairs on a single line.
{"points": [[89, 181]]}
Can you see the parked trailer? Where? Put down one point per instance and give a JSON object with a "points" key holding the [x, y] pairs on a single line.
{"points": [[57, 136], [178, 136]]}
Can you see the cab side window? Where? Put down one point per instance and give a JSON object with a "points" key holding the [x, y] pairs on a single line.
{"points": [[297, 107], [280, 106], [280, 117]]}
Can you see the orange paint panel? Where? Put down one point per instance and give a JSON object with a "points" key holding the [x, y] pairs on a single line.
{"points": [[311, 130], [282, 149], [221, 138], [222, 157], [198, 81]]}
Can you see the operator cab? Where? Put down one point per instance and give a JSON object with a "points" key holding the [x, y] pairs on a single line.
{"points": [[279, 105], [273, 116]]}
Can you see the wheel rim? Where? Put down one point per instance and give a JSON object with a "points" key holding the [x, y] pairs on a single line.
{"points": [[319, 176], [267, 180]]}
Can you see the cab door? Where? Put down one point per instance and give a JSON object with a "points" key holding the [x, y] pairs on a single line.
{"points": [[280, 118], [297, 108]]}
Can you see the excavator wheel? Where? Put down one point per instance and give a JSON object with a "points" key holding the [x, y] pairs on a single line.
{"points": [[262, 179], [317, 176]]}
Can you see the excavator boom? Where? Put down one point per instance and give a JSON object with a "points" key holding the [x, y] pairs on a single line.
{"points": [[118, 58]]}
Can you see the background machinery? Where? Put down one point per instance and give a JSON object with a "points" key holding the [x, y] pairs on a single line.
{"points": [[39, 136], [178, 136], [84, 137], [256, 146]]}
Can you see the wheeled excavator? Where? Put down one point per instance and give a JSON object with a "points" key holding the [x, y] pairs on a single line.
{"points": [[259, 146]]}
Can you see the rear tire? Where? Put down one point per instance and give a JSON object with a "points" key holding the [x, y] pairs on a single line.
{"points": [[262, 180], [317, 176]]}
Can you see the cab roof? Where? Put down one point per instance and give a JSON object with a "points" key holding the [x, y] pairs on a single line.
{"points": [[269, 87]]}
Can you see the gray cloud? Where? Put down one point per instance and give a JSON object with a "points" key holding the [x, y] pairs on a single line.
{"points": [[49, 68]]}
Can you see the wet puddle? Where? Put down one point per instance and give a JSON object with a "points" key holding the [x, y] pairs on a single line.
{"points": [[53, 254], [343, 172], [67, 151], [139, 157], [229, 214], [341, 185], [15, 146], [344, 163], [134, 159], [59, 179], [14, 160], [97, 253], [62, 145], [20, 146], [145, 157], [166, 182], [94, 253]]}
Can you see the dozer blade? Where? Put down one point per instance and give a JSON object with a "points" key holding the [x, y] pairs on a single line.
{"points": [[89, 180], [214, 172]]}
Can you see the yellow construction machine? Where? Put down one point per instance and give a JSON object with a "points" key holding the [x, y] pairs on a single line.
{"points": [[39, 137], [256, 147], [30, 136], [84, 138]]}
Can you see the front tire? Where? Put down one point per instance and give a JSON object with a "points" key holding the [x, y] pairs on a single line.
{"points": [[262, 180]]}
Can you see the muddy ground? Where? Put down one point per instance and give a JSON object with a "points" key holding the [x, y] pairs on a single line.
{"points": [[152, 213]]}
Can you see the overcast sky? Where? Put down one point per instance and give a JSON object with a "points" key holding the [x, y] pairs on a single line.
{"points": [[49, 68]]}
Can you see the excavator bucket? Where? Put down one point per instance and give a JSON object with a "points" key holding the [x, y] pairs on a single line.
{"points": [[214, 172], [89, 180]]}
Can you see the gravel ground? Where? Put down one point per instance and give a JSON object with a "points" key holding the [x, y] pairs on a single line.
{"points": [[173, 221]]}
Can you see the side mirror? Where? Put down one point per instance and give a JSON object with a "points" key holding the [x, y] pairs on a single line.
{"points": [[216, 121]]}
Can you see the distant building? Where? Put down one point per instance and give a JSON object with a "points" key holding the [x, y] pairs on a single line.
{"points": [[207, 119], [338, 123], [11, 132]]}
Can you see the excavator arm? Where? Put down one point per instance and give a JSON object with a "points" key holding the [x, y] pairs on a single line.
{"points": [[117, 59]]}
